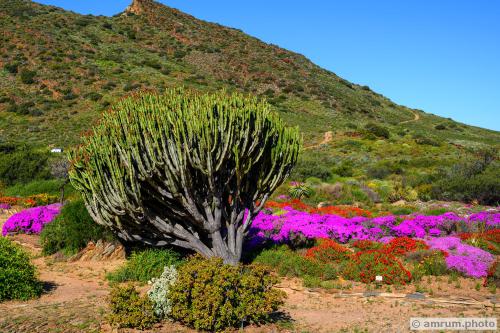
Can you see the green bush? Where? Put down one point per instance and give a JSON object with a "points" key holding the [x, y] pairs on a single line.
{"points": [[17, 275], [27, 76], [93, 96], [483, 187], [145, 265], [129, 309], [425, 140], [344, 169], [23, 165], [11, 68], [307, 169], [377, 130], [209, 295], [72, 230]]}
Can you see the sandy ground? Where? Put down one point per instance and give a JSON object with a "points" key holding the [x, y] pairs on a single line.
{"points": [[75, 301]]}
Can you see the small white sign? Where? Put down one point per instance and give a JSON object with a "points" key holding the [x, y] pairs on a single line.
{"points": [[378, 278]]}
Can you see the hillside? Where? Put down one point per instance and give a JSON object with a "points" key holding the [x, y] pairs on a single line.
{"points": [[59, 70]]}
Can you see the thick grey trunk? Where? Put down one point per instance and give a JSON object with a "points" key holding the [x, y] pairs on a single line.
{"points": [[222, 250]]}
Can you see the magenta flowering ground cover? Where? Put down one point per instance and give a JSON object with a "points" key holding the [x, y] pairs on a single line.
{"points": [[464, 258], [289, 225], [31, 221]]}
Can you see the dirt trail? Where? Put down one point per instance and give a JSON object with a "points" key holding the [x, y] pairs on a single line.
{"points": [[328, 136], [416, 117]]}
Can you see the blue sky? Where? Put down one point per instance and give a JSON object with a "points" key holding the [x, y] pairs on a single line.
{"points": [[439, 56]]}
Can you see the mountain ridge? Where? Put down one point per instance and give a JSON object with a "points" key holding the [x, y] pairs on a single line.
{"points": [[150, 45]]}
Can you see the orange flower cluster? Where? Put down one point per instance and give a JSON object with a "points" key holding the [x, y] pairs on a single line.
{"points": [[402, 245], [345, 211], [328, 251], [9, 200], [364, 266], [31, 201], [489, 235], [365, 244]]}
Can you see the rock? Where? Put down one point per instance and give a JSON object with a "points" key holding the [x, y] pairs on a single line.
{"points": [[399, 203], [415, 296], [100, 251]]}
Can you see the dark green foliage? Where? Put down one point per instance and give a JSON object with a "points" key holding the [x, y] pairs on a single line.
{"points": [[379, 171], [128, 309], [377, 130], [211, 296], [344, 169], [27, 76], [72, 230], [93, 96], [471, 180], [144, 265], [131, 86], [23, 165], [485, 188], [305, 170], [440, 127], [425, 140], [11, 68], [17, 275]]}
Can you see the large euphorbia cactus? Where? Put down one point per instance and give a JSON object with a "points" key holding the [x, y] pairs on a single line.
{"points": [[183, 168]]}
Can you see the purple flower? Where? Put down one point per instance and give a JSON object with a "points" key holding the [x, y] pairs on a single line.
{"points": [[31, 221], [464, 258]]}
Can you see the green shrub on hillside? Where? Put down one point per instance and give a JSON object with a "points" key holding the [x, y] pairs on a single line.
{"points": [[209, 295], [145, 265], [377, 130], [72, 230], [426, 140], [27, 76], [471, 180], [17, 275], [344, 169], [483, 188], [23, 165]]}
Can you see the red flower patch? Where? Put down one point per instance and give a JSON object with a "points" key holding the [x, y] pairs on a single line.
{"points": [[328, 251], [401, 245], [366, 265]]}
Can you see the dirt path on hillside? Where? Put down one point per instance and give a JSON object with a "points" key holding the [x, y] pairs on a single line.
{"points": [[328, 136], [75, 301], [416, 117]]}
